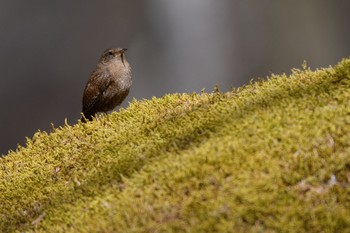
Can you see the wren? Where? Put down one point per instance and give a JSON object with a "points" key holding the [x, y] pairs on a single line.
{"points": [[109, 83]]}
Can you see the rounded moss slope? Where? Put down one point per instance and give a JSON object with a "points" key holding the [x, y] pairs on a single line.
{"points": [[273, 156]]}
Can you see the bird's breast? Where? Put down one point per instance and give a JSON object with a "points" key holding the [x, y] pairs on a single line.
{"points": [[120, 83], [122, 77]]}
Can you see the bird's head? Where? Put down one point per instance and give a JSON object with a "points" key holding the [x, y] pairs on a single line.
{"points": [[112, 55]]}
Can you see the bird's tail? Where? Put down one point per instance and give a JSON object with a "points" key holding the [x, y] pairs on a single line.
{"points": [[86, 116]]}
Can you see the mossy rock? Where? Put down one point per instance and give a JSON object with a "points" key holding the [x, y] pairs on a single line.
{"points": [[272, 156]]}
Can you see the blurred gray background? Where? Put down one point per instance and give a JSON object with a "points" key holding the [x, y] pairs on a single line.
{"points": [[49, 48]]}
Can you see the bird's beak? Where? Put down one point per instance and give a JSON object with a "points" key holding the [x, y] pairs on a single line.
{"points": [[122, 55]]}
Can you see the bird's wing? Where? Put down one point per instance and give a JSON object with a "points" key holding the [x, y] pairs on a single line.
{"points": [[98, 83]]}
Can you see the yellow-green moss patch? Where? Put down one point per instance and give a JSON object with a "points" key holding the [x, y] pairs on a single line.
{"points": [[271, 156]]}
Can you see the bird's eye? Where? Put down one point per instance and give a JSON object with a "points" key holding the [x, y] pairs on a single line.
{"points": [[110, 54]]}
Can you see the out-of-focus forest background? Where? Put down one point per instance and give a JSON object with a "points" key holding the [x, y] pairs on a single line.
{"points": [[49, 48]]}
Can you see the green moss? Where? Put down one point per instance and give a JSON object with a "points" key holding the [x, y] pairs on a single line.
{"points": [[271, 156]]}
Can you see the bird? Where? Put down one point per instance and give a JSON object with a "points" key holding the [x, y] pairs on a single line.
{"points": [[109, 84]]}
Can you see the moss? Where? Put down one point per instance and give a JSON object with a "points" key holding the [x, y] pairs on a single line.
{"points": [[270, 156]]}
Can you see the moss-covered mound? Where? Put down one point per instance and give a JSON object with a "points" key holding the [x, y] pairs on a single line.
{"points": [[271, 156]]}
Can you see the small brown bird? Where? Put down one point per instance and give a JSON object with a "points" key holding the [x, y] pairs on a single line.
{"points": [[108, 85]]}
